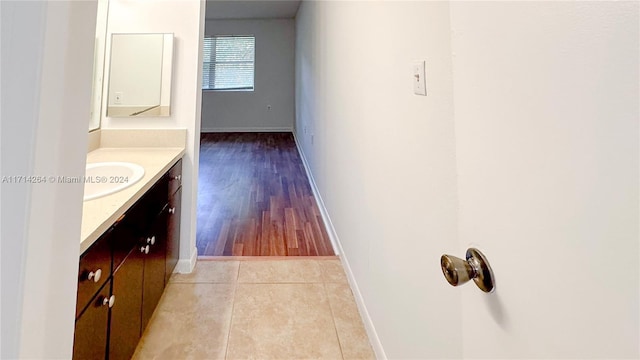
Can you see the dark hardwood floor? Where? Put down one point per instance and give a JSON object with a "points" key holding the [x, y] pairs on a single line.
{"points": [[254, 198]]}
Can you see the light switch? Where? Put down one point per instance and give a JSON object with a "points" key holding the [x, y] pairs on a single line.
{"points": [[419, 80], [118, 98]]}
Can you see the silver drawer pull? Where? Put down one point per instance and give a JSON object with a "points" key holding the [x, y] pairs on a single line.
{"points": [[95, 275], [144, 249], [109, 301], [151, 240]]}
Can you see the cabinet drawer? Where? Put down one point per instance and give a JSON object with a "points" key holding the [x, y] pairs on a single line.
{"points": [[94, 271], [90, 337], [175, 177]]}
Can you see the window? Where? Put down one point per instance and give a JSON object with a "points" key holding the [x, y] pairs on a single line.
{"points": [[228, 63]]}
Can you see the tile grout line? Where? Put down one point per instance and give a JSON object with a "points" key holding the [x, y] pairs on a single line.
{"points": [[233, 306], [203, 282], [333, 318], [282, 282]]}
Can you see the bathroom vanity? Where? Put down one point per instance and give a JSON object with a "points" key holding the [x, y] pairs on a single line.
{"points": [[130, 236], [129, 248]]}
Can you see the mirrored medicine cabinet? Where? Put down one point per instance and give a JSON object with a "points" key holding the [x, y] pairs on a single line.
{"points": [[132, 73], [140, 75]]}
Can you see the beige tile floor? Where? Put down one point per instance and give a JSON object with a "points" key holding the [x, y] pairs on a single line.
{"points": [[257, 309]]}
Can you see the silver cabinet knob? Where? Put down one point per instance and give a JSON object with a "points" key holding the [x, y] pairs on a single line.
{"points": [[95, 275], [151, 240], [177, 177], [109, 301], [172, 210], [458, 271], [144, 249]]}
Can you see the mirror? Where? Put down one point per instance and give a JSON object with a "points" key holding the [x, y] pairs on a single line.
{"points": [[98, 64], [140, 75]]}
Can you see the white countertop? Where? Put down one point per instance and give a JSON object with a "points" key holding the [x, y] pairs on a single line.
{"points": [[99, 214]]}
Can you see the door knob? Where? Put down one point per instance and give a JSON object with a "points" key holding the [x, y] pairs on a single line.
{"points": [[458, 271]]}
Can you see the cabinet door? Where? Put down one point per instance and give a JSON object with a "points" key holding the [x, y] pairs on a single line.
{"points": [[90, 339], [126, 312], [123, 240], [175, 177], [93, 272], [173, 233], [154, 266], [144, 212]]}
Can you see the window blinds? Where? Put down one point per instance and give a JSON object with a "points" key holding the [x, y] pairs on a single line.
{"points": [[228, 63]]}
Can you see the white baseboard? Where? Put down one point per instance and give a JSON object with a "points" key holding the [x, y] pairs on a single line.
{"points": [[185, 266], [337, 247], [245, 129], [376, 345]]}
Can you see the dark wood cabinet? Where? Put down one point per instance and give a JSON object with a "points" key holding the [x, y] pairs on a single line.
{"points": [[175, 178], [125, 326], [135, 257], [94, 271], [154, 266], [90, 338], [173, 231]]}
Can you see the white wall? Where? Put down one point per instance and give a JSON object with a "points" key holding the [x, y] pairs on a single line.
{"points": [[384, 160], [47, 57], [528, 139], [21, 61], [546, 111], [185, 20], [274, 80]]}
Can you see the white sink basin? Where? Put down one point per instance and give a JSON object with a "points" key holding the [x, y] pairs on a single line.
{"points": [[106, 178]]}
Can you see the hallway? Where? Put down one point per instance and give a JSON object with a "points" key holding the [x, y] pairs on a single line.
{"points": [[254, 198], [426, 128]]}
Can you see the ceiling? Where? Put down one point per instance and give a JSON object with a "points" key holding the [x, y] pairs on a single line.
{"points": [[253, 9]]}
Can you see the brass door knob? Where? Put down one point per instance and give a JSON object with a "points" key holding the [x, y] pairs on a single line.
{"points": [[458, 271]]}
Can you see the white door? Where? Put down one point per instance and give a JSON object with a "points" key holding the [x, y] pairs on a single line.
{"points": [[546, 112]]}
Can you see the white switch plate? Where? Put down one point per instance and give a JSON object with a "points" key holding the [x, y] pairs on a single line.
{"points": [[419, 79]]}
